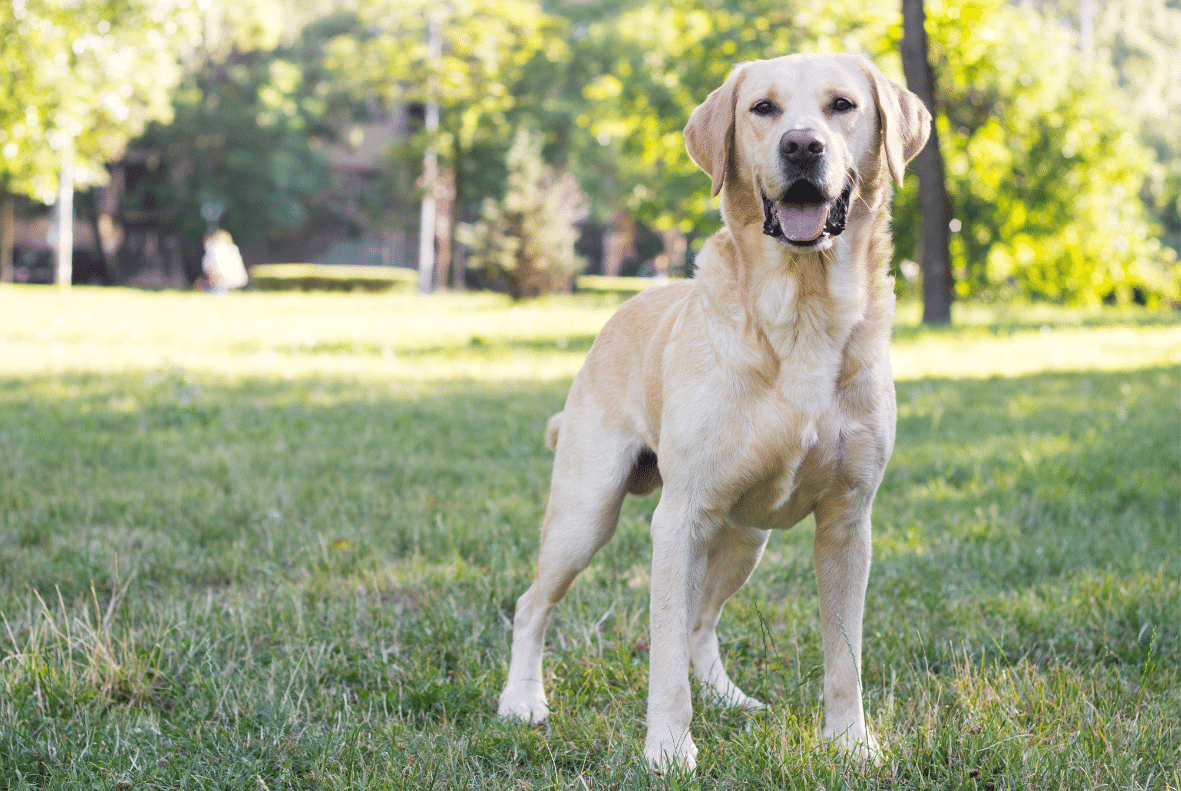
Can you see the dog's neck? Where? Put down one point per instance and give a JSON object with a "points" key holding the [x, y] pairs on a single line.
{"points": [[785, 301]]}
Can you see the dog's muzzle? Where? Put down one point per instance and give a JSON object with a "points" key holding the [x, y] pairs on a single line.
{"points": [[802, 217]]}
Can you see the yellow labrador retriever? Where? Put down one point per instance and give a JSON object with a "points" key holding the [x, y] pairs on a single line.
{"points": [[757, 393]]}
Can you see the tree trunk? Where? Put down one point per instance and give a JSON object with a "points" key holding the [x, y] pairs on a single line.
{"points": [[672, 260], [618, 243], [427, 255], [934, 204], [93, 213], [444, 209], [64, 270], [7, 233], [428, 262], [1086, 28]]}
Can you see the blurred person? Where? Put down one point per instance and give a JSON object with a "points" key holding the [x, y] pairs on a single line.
{"points": [[222, 263]]}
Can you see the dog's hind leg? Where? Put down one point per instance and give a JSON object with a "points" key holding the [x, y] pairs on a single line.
{"points": [[589, 483], [732, 559]]}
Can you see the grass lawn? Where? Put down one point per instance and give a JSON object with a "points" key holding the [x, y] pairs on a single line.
{"points": [[273, 541]]}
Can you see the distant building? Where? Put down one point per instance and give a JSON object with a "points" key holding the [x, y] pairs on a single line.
{"points": [[135, 243]]}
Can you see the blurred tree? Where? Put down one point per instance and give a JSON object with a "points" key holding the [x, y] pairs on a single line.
{"points": [[97, 72], [248, 126], [935, 206], [501, 68], [1142, 41], [1043, 163], [524, 243]]}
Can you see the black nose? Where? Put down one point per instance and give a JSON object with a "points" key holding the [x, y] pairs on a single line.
{"points": [[800, 147]]}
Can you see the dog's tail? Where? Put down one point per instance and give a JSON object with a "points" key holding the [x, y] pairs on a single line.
{"points": [[551, 431]]}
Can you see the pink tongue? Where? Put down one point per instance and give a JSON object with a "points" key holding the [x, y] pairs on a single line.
{"points": [[800, 223]]}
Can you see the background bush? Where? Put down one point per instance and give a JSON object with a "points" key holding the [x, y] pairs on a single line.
{"points": [[524, 243]]}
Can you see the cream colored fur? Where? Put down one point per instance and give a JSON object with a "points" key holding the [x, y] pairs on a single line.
{"points": [[758, 392]]}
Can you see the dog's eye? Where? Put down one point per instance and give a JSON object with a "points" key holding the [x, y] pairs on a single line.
{"points": [[765, 107], [842, 105]]}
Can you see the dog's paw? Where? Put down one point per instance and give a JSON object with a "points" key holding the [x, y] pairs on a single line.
{"points": [[527, 705], [668, 755], [721, 691], [862, 745], [735, 699]]}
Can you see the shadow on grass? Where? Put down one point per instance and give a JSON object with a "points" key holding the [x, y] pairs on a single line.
{"points": [[1081, 466], [995, 487]]}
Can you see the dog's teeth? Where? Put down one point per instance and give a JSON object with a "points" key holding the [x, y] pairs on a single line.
{"points": [[771, 226], [839, 214]]}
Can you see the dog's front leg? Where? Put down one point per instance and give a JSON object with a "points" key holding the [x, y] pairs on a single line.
{"points": [[680, 542], [842, 551]]}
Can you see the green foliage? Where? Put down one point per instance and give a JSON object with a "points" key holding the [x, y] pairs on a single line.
{"points": [[248, 133], [501, 68], [1142, 38], [1065, 175], [525, 242], [96, 71], [1044, 167]]}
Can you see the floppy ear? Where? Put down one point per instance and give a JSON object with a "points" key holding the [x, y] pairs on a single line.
{"points": [[904, 120], [709, 135]]}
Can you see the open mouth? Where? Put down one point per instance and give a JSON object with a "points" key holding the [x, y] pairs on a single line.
{"points": [[802, 217]]}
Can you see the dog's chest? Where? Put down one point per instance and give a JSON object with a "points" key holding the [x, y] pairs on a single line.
{"points": [[798, 458], [800, 451]]}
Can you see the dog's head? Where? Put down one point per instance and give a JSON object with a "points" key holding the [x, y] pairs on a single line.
{"points": [[794, 139]]}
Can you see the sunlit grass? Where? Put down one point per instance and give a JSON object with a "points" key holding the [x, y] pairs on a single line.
{"points": [[274, 540], [482, 337], [385, 337], [1011, 341]]}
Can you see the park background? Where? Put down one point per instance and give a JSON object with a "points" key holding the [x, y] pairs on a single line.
{"points": [[313, 131], [273, 539]]}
